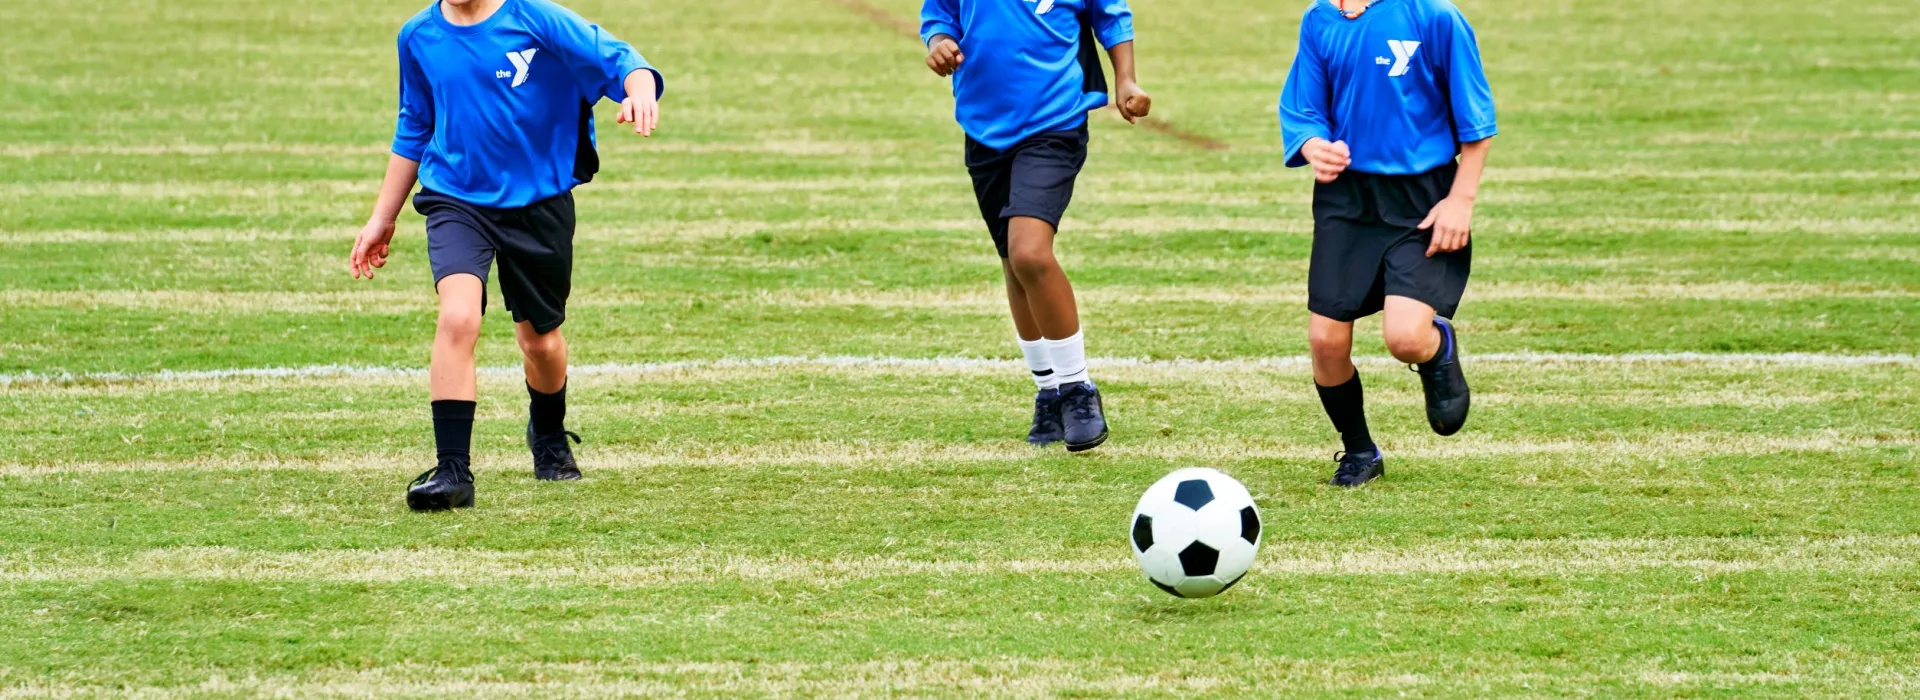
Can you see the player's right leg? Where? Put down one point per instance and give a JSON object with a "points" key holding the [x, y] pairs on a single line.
{"points": [[451, 386], [1344, 284], [461, 255], [1338, 383], [1047, 428]]}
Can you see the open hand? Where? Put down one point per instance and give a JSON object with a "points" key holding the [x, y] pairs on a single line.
{"points": [[1328, 159], [370, 249], [1452, 224], [1132, 101], [642, 111], [943, 55]]}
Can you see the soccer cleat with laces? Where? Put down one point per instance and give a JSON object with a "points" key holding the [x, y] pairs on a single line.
{"points": [[1357, 469], [552, 456], [444, 487], [1084, 419], [1444, 383], [1047, 427]]}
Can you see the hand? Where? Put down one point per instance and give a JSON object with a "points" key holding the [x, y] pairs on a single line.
{"points": [[943, 55], [1328, 159], [370, 249], [642, 111], [1452, 223], [1132, 101]]}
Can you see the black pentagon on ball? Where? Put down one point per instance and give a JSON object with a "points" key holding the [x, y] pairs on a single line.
{"points": [[1249, 525], [1142, 533], [1236, 579], [1198, 559], [1193, 493], [1169, 589]]}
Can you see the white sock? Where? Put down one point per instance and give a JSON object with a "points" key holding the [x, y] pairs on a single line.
{"points": [[1069, 358], [1038, 362]]}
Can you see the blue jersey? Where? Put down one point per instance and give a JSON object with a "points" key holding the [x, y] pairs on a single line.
{"points": [[1026, 69], [500, 113], [1402, 85]]}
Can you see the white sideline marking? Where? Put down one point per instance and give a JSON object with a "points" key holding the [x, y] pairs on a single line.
{"points": [[1786, 359]]}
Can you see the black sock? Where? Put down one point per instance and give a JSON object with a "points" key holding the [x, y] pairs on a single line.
{"points": [[549, 411], [453, 430], [1348, 411]]}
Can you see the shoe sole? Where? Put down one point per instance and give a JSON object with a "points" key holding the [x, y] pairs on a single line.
{"points": [[557, 477], [434, 502], [1082, 447]]}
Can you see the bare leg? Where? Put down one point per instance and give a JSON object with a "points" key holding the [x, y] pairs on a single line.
{"points": [[1018, 303], [450, 372], [545, 357], [1409, 330], [1332, 344], [1049, 295]]}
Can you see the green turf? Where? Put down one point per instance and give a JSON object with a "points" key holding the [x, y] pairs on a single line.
{"points": [[180, 182]]}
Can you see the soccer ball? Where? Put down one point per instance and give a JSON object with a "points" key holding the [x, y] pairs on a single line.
{"points": [[1195, 532]]}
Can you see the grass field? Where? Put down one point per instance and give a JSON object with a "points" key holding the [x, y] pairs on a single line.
{"points": [[1692, 470]]}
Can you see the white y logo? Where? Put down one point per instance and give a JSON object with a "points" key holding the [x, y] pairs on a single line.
{"points": [[1402, 55], [1045, 6], [521, 61]]}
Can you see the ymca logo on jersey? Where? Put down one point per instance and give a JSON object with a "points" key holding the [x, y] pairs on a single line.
{"points": [[1045, 7], [1402, 57], [522, 60]]}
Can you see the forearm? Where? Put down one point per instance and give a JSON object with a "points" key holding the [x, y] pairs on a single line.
{"points": [[1122, 56], [402, 173], [1473, 162]]}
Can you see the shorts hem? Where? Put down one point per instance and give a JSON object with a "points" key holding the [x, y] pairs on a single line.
{"points": [[1343, 316]]}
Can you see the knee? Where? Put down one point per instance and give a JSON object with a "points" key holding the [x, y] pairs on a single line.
{"points": [[1330, 343], [459, 325], [541, 347], [1031, 262], [1411, 344]]}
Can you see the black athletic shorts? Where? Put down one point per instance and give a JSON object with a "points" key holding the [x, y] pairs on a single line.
{"points": [[1033, 178], [1367, 245], [533, 245]]}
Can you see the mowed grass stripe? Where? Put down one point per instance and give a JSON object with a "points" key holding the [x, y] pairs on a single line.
{"points": [[996, 676], [1278, 558], [391, 300], [868, 455]]}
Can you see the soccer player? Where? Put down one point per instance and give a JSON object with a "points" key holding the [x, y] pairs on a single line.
{"points": [[1381, 99], [496, 124], [1025, 74]]}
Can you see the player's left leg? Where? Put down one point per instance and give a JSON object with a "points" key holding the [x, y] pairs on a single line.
{"points": [[1418, 336], [536, 278], [544, 356]]}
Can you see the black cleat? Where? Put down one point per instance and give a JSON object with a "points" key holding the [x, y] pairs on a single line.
{"points": [[1047, 428], [1085, 421], [1358, 469], [552, 456], [1445, 383], [444, 487]]}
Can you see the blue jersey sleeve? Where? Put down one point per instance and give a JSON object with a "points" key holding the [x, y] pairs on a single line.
{"points": [[939, 17], [414, 129], [600, 63], [1112, 21], [1304, 99], [1469, 96]]}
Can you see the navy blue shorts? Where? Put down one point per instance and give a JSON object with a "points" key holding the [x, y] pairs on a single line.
{"points": [[1367, 245], [532, 244], [1033, 178]]}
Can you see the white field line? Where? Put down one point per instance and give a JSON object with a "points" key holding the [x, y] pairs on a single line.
{"points": [[936, 364]]}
